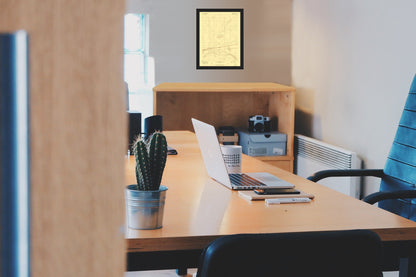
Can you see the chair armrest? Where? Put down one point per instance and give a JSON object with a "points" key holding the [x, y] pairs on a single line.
{"points": [[384, 195], [345, 173]]}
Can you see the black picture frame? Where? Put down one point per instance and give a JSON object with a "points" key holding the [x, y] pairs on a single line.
{"points": [[233, 56]]}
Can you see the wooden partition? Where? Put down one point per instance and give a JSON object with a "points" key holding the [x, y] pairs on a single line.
{"points": [[78, 135], [228, 104]]}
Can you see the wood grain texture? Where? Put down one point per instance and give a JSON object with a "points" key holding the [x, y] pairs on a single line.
{"points": [[78, 133], [228, 104], [221, 87], [283, 163], [198, 209]]}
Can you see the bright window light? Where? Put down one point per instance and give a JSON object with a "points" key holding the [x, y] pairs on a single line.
{"points": [[138, 65]]}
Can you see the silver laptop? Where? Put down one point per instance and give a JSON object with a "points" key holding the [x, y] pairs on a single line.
{"points": [[217, 170]]}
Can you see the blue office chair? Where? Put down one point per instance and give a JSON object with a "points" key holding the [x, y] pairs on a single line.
{"points": [[397, 189], [335, 253]]}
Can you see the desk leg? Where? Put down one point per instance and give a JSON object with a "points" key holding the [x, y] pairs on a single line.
{"points": [[407, 267]]}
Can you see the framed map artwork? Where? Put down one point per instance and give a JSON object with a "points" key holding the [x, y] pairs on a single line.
{"points": [[219, 39]]}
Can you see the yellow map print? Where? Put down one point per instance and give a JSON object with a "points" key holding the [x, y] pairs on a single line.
{"points": [[219, 39]]}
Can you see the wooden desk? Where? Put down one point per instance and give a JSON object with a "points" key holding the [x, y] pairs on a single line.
{"points": [[198, 210]]}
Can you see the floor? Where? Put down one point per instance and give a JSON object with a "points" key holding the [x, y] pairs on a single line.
{"points": [[192, 273], [159, 273], [391, 274]]}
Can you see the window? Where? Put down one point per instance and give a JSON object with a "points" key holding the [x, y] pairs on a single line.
{"points": [[138, 65]]}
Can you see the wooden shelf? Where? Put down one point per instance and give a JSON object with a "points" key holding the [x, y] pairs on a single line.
{"points": [[222, 87], [228, 104], [283, 162]]}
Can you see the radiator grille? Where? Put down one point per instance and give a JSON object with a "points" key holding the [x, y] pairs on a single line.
{"points": [[323, 153], [312, 155]]}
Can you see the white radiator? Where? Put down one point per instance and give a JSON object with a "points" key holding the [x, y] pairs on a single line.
{"points": [[312, 155]]}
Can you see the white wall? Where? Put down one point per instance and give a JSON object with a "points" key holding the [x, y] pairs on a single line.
{"points": [[351, 61], [352, 64], [267, 40]]}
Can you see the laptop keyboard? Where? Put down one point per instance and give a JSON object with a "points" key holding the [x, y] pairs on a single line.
{"points": [[244, 181]]}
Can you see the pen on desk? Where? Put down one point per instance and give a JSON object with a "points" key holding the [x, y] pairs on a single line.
{"points": [[287, 200]]}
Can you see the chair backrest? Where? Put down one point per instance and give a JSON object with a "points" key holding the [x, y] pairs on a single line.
{"points": [[336, 253], [400, 168]]}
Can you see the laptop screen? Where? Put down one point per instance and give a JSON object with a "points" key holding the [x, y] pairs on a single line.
{"points": [[211, 152]]}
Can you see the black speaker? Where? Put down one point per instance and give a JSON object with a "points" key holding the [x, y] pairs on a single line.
{"points": [[135, 128], [152, 124]]}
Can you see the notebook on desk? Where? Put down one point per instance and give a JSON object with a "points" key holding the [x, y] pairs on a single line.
{"points": [[217, 170], [251, 195]]}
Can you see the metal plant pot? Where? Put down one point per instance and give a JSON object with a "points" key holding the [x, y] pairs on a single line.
{"points": [[145, 208]]}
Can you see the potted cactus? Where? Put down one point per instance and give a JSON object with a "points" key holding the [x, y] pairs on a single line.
{"points": [[145, 200]]}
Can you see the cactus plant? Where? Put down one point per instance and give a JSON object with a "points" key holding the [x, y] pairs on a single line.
{"points": [[150, 161]]}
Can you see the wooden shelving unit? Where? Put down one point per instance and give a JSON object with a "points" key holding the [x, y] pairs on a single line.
{"points": [[228, 104]]}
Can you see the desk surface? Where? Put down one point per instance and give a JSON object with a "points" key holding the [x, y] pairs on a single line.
{"points": [[198, 209]]}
